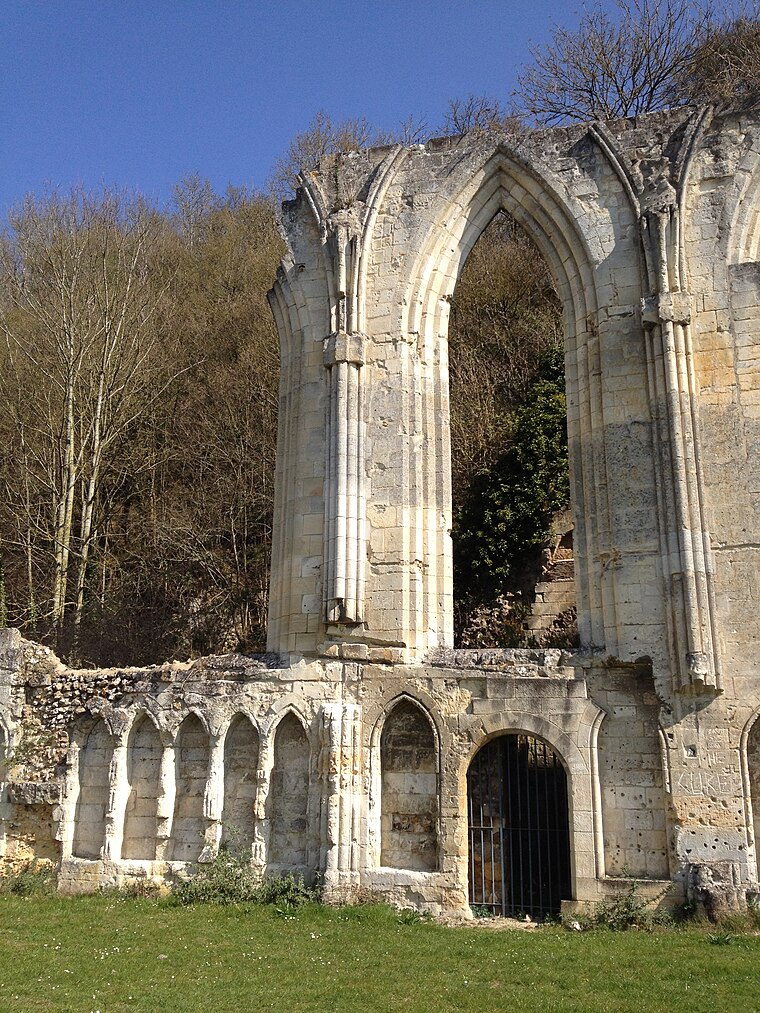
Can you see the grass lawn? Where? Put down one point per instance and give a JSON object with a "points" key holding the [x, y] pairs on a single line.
{"points": [[113, 953]]}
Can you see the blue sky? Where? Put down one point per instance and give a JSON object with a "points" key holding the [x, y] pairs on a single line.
{"points": [[139, 94]]}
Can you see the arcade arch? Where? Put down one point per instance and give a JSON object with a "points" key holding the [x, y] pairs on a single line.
{"points": [[144, 753], [409, 789], [191, 760], [241, 755], [289, 795], [94, 786]]}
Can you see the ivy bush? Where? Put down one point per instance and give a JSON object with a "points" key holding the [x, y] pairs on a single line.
{"points": [[506, 516]]}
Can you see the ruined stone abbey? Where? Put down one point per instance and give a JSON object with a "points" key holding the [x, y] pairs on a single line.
{"points": [[363, 747]]}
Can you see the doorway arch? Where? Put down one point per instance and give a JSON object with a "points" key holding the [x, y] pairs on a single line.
{"points": [[518, 827]]}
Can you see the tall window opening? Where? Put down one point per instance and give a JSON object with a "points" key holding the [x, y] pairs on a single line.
{"points": [[513, 573]]}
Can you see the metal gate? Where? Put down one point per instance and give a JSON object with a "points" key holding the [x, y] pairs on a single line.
{"points": [[518, 822]]}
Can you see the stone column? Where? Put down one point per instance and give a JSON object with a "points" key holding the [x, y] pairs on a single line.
{"points": [[345, 506], [213, 799], [6, 811], [261, 808], [340, 773], [344, 356], [165, 807], [69, 798], [684, 538], [117, 801]]}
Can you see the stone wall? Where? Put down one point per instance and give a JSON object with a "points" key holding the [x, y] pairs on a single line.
{"points": [[350, 770], [357, 771]]}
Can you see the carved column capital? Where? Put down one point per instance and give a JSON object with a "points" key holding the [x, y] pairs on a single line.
{"points": [[345, 223], [342, 347], [666, 307]]}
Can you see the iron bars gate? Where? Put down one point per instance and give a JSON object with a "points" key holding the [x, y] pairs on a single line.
{"points": [[518, 822]]}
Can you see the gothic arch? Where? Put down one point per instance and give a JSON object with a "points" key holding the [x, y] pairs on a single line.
{"points": [[148, 707], [376, 719], [504, 182], [407, 772], [740, 219], [287, 705], [144, 759]]}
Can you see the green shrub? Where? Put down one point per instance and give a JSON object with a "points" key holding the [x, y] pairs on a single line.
{"points": [[720, 938], [288, 891], [411, 916], [228, 879]]}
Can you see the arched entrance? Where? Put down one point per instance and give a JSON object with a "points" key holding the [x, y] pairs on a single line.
{"points": [[519, 836]]}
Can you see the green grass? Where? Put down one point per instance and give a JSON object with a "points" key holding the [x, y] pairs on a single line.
{"points": [[115, 953]]}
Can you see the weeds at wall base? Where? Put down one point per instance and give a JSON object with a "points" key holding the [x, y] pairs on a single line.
{"points": [[34, 878], [227, 879], [629, 910]]}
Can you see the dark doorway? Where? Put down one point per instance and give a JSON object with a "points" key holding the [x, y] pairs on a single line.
{"points": [[518, 823]]}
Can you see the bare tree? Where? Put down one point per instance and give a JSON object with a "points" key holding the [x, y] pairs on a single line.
{"points": [[478, 113], [80, 344], [614, 66], [322, 137], [412, 130], [726, 64]]}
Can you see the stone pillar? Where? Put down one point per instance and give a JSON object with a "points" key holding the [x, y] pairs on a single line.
{"points": [[345, 505], [165, 808], [6, 811], [69, 799], [261, 822], [340, 774], [117, 801], [684, 538], [213, 799]]}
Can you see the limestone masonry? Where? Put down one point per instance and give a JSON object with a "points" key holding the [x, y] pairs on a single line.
{"points": [[364, 748]]}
